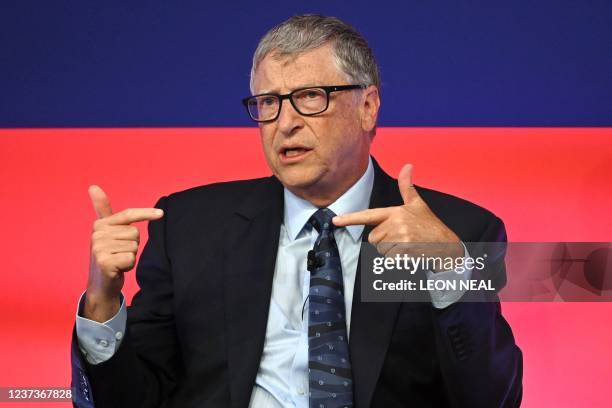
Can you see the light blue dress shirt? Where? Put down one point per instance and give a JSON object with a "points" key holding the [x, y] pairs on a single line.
{"points": [[282, 378]]}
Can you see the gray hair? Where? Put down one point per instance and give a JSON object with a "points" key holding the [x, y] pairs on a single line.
{"points": [[302, 33]]}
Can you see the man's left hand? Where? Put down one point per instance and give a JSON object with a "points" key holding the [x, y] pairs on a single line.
{"points": [[409, 229]]}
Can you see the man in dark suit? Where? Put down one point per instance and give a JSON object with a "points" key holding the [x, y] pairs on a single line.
{"points": [[250, 291]]}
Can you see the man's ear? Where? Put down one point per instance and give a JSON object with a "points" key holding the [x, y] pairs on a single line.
{"points": [[370, 104]]}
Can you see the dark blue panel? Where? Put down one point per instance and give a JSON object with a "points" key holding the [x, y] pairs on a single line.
{"points": [[164, 63]]}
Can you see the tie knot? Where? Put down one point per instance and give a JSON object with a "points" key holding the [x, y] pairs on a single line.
{"points": [[321, 220]]}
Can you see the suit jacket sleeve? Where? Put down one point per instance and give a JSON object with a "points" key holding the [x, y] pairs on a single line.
{"points": [[480, 363], [146, 367]]}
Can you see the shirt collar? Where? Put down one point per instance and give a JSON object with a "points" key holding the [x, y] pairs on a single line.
{"points": [[298, 211]]}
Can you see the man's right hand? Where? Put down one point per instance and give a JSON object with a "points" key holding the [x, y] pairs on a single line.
{"points": [[114, 243]]}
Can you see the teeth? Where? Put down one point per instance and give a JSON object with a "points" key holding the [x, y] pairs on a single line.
{"points": [[293, 152]]}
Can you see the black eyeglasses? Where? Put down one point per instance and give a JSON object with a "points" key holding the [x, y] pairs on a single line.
{"points": [[306, 101]]}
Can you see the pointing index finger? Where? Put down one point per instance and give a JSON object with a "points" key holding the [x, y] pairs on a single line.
{"points": [[372, 216], [131, 215]]}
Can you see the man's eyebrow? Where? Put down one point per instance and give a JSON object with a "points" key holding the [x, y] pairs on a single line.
{"points": [[275, 91], [309, 85]]}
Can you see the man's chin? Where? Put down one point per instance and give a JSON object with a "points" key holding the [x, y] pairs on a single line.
{"points": [[297, 179]]}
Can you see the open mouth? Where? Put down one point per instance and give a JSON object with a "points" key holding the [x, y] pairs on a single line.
{"points": [[293, 154]]}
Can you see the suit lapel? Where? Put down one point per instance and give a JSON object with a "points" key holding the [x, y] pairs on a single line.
{"points": [[372, 323], [250, 257]]}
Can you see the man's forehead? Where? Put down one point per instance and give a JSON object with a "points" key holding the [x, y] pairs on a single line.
{"points": [[281, 72]]}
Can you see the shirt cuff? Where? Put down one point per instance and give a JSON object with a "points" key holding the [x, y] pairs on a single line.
{"points": [[99, 341], [441, 298]]}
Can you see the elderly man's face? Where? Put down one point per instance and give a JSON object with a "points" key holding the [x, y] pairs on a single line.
{"points": [[318, 156]]}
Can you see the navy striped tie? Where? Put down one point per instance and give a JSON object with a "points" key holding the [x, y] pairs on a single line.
{"points": [[329, 365]]}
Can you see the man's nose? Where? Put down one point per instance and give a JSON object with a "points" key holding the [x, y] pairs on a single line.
{"points": [[289, 120]]}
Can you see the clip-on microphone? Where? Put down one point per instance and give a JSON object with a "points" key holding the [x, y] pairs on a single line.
{"points": [[312, 263]]}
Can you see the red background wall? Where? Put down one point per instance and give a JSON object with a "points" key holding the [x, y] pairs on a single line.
{"points": [[547, 184]]}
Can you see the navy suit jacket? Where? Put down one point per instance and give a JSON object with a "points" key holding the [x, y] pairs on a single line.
{"points": [[196, 328]]}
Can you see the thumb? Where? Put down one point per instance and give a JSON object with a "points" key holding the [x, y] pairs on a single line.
{"points": [[404, 180], [100, 201]]}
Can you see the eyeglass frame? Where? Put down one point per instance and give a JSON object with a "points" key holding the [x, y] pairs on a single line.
{"points": [[328, 89]]}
